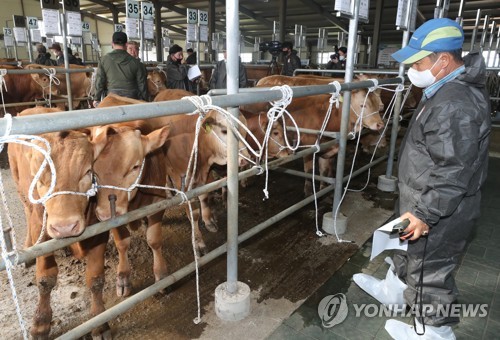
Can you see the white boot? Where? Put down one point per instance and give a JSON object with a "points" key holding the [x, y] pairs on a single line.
{"points": [[388, 292], [401, 331]]}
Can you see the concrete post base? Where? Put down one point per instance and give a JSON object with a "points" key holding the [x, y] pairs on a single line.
{"points": [[329, 223], [387, 184], [232, 307]]}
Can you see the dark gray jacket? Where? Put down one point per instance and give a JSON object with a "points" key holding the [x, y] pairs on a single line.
{"points": [[177, 75], [120, 73], [444, 156], [219, 76], [290, 64]]}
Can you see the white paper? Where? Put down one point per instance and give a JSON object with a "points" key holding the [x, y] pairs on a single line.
{"points": [[204, 33], [8, 41], [148, 29], [191, 31], [194, 72], [74, 20], [50, 21], [131, 28], [36, 36], [383, 239], [20, 34]]}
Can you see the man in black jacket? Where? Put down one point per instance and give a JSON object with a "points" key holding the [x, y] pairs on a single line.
{"points": [[443, 163], [291, 61], [43, 56]]}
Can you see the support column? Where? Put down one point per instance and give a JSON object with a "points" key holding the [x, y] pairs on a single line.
{"points": [[211, 29], [158, 41], [376, 33], [282, 19]]}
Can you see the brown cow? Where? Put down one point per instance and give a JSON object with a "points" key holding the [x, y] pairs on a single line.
{"points": [[157, 81], [181, 136], [134, 150], [80, 84], [310, 112], [72, 153], [20, 88]]}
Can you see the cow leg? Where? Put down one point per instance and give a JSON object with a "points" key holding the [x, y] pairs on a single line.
{"points": [[308, 166], [325, 170], [155, 241], [201, 248], [206, 213], [121, 235], [46, 279], [95, 282]]}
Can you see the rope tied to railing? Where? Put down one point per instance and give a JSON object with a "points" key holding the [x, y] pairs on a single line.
{"points": [[51, 73]]}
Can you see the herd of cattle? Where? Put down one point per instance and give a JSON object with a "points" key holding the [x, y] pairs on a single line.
{"points": [[152, 152]]}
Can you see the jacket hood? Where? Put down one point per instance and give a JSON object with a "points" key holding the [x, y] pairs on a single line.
{"points": [[475, 70], [121, 57]]}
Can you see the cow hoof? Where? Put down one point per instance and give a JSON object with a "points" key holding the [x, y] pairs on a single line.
{"points": [[123, 287], [211, 226], [102, 333]]}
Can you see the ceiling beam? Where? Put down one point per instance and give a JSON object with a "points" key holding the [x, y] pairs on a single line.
{"points": [[252, 15], [320, 10]]}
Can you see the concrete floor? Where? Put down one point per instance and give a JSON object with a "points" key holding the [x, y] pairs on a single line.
{"points": [[478, 279]]}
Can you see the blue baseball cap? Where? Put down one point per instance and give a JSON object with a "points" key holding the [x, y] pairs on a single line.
{"points": [[436, 35]]}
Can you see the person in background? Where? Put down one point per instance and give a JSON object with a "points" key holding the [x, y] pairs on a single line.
{"points": [[191, 59], [133, 49], [291, 61], [339, 60], [443, 163], [219, 75], [59, 55], [176, 71], [120, 73], [43, 57], [78, 59], [72, 59]]}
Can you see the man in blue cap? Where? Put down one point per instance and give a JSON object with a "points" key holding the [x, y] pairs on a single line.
{"points": [[443, 163]]}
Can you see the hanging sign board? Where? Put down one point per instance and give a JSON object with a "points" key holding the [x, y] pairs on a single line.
{"points": [[192, 16], [133, 9], [20, 34], [87, 38], [203, 18], [32, 22], [76, 41], [74, 21], [343, 7], [85, 26], [118, 28], [148, 10], [50, 21], [8, 37], [19, 21], [50, 4], [204, 33], [71, 5], [148, 29], [191, 32], [36, 36], [131, 28]]}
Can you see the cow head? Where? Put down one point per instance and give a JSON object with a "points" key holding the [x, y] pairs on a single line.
{"points": [[44, 85], [369, 108], [156, 82], [276, 140], [72, 153], [121, 161]]}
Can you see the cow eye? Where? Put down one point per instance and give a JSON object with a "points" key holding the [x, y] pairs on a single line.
{"points": [[136, 167], [224, 131]]}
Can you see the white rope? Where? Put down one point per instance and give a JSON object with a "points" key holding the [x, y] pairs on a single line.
{"points": [[6, 254], [51, 73]]}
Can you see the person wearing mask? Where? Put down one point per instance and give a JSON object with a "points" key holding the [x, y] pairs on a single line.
{"points": [[176, 71], [338, 62], [291, 61], [443, 162], [219, 75], [72, 59], [43, 57], [78, 59], [191, 59], [120, 73], [58, 54]]}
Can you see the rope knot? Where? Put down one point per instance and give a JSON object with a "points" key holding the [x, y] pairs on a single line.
{"points": [[375, 85]]}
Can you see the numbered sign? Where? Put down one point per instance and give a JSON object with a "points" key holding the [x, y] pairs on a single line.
{"points": [[133, 9], [203, 17], [50, 4], [19, 21], [85, 26], [147, 10], [72, 5], [118, 28], [192, 16], [8, 37], [32, 22]]}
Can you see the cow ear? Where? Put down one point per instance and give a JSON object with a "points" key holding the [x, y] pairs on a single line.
{"points": [[156, 139], [208, 124], [263, 120], [99, 139]]}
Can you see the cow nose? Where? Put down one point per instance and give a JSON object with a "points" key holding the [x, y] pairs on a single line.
{"points": [[242, 161], [59, 230]]}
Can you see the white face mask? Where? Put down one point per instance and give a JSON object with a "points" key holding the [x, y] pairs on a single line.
{"points": [[422, 79], [341, 57]]}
